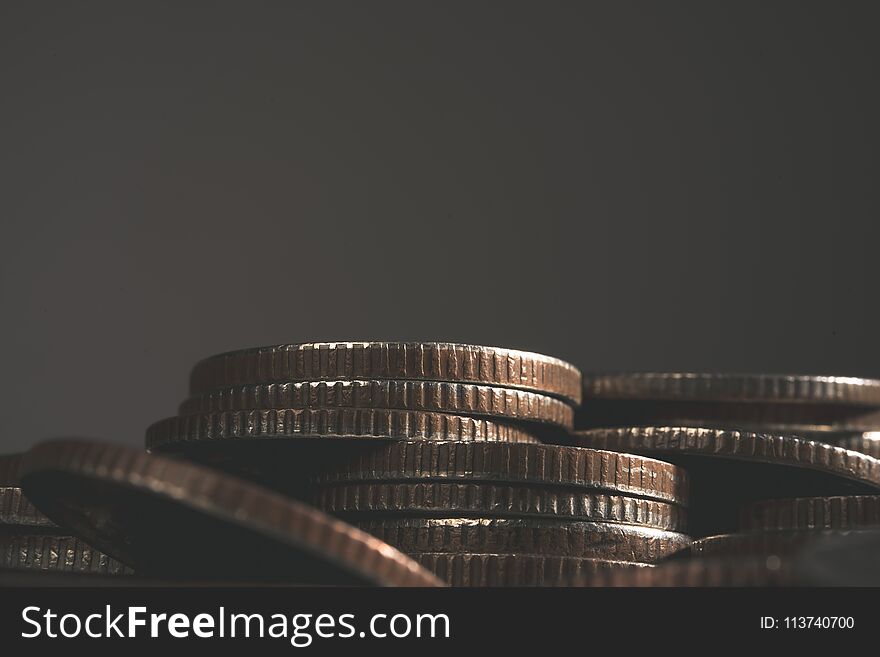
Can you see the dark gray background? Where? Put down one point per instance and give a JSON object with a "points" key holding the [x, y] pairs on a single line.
{"points": [[626, 185]]}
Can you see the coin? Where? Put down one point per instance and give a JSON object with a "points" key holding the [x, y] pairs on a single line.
{"points": [[329, 423], [776, 388], [56, 554], [515, 569], [732, 468], [430, 361], [601, 540], [574, 467], [741, 445], [705, 572], [454, 398], [839, 512], [168, 517], [866, 442], [779, 543], [496, 501], [15, 509]]}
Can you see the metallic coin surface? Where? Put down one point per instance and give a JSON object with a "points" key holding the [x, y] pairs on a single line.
{"points": [[704, 572], [762, 544], [427, 361], [60, 554], [494, 501], [692, 386], [347, 423], [599, 540], [15, 509], [574, 467], [838, 512], [739, 445], [515, 569], [866, 442], [142, 508], [454, 398]]}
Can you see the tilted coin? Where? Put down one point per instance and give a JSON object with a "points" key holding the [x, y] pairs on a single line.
{"points": [[705, 572], [600, 540], [516, 569], [732, 468], [692, 386], [430, 361], [574, 467], [55, 554], [866, 442], [759, 543], [15, 509], [354, 423], [454, 398], [838, 512], [747, 446], [149, 512], [495, 501]]}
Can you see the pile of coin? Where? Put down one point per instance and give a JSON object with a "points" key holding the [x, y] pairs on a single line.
{"points": [[432, 463]]}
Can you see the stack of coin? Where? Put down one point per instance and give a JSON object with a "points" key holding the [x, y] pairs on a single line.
{"points": [[30, 541], [491, 514], [277, 414]]}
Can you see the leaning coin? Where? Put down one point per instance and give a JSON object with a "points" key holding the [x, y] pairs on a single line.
{"points": [[362, 500], [428, 361], [837, 512], [753, 388], [344, 423], [705, 572], [149, 511], [600, 540], [453, 398], [516, 569], [15, 509], [60, 554], [574, 467]]}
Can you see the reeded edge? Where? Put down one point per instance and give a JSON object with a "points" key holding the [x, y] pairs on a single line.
{"points": [[57, 549], [569, 390], [705, 386], [550, 465], [225, 498], [518, 405], [739, 445], [833, 512], [368, 499]]}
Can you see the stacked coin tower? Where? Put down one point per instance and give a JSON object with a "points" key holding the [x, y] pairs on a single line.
{"points": [[436, 449]]}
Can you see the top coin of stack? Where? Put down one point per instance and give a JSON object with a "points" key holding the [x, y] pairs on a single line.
{"points": [[381, 390]]}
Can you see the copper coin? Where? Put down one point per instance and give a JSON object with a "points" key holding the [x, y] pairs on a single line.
{"points": [[427, 361], [599, 540], [59, 554], [361, 500], [453, 398], [166, 517], [838, 512], [516, 569], [344, 423], [692, 386], [573, 467]]}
